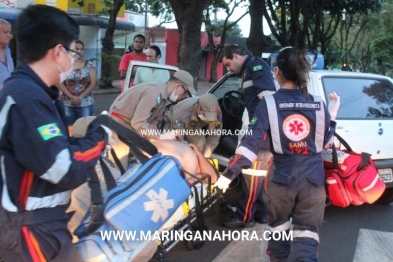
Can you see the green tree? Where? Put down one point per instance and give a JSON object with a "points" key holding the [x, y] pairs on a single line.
{"points": [[256, 40], [234, 31], [223, 28], [301, 23]]}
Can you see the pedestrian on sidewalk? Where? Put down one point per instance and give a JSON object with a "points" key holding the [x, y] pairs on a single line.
{"points": [[76, 90], [137, 55]]}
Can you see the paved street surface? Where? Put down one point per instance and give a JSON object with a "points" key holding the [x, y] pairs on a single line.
{"points": [[357, 233]]}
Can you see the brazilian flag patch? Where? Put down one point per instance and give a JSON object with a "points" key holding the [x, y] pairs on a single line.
{"points": [[49, 131], [253, 121], [257, 68]]}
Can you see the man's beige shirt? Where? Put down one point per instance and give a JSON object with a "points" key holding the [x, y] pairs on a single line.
{"points": [[142, 106]]}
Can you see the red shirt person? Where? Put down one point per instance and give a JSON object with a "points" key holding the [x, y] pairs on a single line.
{"points": [[136, 55]]}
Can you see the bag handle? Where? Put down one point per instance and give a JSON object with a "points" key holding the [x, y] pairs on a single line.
{"points": [[343, 142], [136, 143], [365, 156]]}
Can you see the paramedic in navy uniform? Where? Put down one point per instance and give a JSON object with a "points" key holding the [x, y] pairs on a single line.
{"points": [[299, 126], [39, 163], [257, 82]]}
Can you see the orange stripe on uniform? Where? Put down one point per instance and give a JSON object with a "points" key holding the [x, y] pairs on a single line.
{"points": [[89, 154], [37, 247], [251, 199], [30, 247], [25, 187]]}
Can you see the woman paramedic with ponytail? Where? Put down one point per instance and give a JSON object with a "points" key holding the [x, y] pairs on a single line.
{"points": [[299, 126]]}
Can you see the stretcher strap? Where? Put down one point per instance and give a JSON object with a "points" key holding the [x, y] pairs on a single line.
{"points": [[136, 143]]}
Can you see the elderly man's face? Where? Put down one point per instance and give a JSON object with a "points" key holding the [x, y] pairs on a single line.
{"points": [[152, 56], [5, 34]]}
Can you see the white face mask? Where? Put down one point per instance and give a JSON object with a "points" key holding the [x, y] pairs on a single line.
{"points": [[173, 97], [64, 75], [202, 117]]}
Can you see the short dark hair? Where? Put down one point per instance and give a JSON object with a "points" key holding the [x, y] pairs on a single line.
{"points": [[141, 36], [79, 42], [157, 49], [229, 50], [40, 28]]}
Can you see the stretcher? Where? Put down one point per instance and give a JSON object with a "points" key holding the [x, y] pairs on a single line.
{"points": [[145, 178]]}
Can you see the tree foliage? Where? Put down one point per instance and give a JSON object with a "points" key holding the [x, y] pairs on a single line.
{"points": [[302, 23], [226, 26], [256, 40]]}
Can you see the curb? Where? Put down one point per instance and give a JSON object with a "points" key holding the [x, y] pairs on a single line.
{"points": [[106, 92]]}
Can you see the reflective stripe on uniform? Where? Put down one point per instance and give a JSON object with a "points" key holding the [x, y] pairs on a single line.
{"points": [[6, 202], [59, 168], [54, 200], [273, 120], [265, 93], [4, 113], [248, 83], [320, 125], [247, 153], [280, 228], [253, 172], [305, 233]]}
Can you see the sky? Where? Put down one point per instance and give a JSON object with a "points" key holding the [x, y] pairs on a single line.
{"points": [[244, 23]]}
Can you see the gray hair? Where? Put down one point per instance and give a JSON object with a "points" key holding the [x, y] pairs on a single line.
{"points": [[5, 22]]}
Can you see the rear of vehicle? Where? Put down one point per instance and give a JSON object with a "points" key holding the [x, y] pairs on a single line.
{"points": [[365, 117]]}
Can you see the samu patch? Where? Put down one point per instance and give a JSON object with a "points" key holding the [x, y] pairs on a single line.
{"points": [[257, 68], [49, 131], [253, 121]]}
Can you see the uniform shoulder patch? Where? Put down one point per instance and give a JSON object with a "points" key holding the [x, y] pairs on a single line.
{"points": [[49, 131], [253, 121], [178, 123], [256, 68]]}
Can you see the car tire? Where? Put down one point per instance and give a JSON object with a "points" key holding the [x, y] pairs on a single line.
{"points": [[387, 196]]}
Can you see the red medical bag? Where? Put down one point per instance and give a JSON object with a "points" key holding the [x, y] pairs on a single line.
{"points": [[351, 178]]}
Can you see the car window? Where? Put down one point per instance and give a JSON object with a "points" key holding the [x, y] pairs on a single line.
{"points": [[361, 97], [233, 83]]}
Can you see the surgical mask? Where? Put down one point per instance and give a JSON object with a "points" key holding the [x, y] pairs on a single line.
{"points": [[173, 97], [64, 75], [202, 117]]}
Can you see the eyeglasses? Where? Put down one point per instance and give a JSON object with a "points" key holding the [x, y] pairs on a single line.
{"points": [[74, 53]]}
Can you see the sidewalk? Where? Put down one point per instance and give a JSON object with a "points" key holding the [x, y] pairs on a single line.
{"points": [[203, 86]]}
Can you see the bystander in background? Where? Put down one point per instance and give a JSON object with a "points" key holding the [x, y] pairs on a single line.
{"points": [[151, 75], [77, 89], [137, 55], [6, 63]]}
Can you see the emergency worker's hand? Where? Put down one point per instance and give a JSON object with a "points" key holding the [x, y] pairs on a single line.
{"points": [[222, 183], [334, 104]]}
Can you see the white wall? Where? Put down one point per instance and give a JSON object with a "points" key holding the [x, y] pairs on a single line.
{"points": [[91, 37]]}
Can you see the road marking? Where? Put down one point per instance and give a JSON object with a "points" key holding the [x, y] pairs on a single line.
{"points": [[373, 245]]}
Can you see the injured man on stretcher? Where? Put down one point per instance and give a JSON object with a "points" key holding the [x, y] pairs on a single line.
{"points": [[189, 156]]}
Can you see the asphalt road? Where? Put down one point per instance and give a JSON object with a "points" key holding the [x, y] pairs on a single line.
{"points": [[357, 233]]}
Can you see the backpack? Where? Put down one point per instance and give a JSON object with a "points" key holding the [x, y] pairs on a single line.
{"points": [[351, 178]]}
